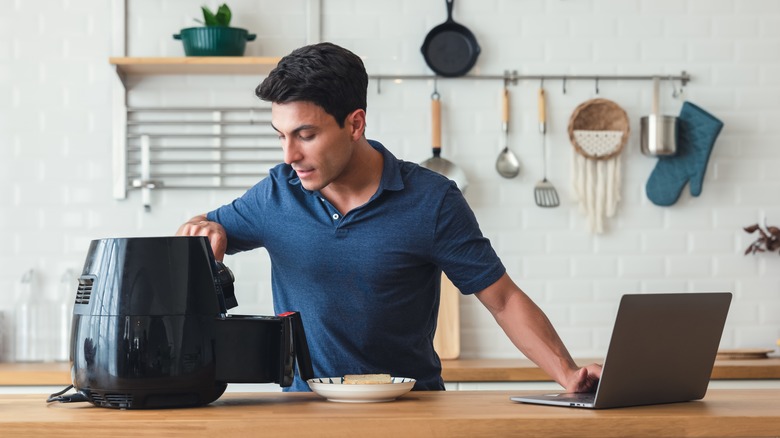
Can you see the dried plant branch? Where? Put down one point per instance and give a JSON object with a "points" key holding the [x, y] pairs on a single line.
{"points": [[767, 241]]}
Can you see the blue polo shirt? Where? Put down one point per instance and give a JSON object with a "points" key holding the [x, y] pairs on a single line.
{"points": [[366, 283]]}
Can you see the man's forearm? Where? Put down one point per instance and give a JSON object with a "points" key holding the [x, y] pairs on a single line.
{"points": [[531, 332]]}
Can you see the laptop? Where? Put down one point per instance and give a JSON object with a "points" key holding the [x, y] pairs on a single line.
{"points": [[662, 350]]}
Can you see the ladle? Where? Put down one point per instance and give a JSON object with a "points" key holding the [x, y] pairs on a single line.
{"points": [[507, 163]]}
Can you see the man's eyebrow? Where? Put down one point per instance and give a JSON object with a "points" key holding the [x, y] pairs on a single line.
{"points": [[296, 130]]}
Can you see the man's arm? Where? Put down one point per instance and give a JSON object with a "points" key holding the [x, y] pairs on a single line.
{"points": [[530, 331], [200, 226]]}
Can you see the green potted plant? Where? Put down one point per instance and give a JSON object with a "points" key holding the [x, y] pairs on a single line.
{"points": [[215, 37]]}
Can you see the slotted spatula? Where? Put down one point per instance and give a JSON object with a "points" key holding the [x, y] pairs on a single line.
{"points": [[544, 192]]}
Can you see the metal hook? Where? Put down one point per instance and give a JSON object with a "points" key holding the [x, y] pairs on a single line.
{"points": [[435, 94], [564, 85], [674, 88], [597, 85], [378, 86], [541, 82]]}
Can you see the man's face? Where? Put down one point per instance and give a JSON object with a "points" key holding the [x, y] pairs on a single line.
{"points": [[313, 143]]}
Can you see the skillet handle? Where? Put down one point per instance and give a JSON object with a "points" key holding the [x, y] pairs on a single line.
{"points": [[436, 124]]}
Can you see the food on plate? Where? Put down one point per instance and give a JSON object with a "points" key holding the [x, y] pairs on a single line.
{"points": [[367, 379]]}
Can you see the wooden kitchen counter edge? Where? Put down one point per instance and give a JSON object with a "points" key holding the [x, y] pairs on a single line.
{"points": [[436, 413], [460, 370]]}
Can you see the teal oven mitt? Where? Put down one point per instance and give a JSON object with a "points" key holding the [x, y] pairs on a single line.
{"points": [[696, 133]]}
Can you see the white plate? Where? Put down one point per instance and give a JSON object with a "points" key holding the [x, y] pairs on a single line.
{"points": [[333, 389]]}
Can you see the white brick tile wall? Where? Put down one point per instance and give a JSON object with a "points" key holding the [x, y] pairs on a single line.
{"points": [[640, 266], [55, 142], [592, 315], [570, 242], [664, 285], [712, 285], [713, 242], [732, 265], [610, 289], [594, 266], [665, 242], [689, 266]]}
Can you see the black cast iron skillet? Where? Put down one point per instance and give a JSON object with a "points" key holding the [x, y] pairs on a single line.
{"points": [[450, 49]]}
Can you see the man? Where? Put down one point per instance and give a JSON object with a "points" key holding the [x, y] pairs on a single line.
{"points": [[358, 238]]}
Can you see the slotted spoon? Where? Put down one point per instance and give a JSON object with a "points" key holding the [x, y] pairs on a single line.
{"points": [[544, 192]]}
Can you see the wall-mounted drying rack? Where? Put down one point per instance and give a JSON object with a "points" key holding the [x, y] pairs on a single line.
{"points": [[513, 78], [198, 148]]}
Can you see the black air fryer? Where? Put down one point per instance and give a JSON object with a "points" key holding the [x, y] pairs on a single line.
{"points": [[151, 329]]}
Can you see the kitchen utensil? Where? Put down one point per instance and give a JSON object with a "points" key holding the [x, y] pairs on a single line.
{"points": [[28, 322], [658, 133], [446, 341], [151, 330], [544, 192], [698, 131], [437, 163], [507, 163], [334, 389], [450, 49], [214, 40], [598, 130]]}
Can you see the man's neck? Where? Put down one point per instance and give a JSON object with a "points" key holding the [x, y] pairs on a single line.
{"points": [[360, 181]]}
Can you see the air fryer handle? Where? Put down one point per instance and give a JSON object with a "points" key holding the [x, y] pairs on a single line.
{"points": [[224, 281], [300, 346]]}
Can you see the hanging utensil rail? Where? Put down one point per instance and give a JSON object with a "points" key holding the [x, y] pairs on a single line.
{"points": [[514, 77]]}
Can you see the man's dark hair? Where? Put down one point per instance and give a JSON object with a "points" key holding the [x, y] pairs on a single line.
{"points": [[325, 74]]}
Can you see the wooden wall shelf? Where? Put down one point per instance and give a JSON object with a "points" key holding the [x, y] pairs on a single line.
{"points": [[196, 65]]}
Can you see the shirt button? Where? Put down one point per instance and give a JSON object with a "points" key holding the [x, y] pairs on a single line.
{"points": [[335, 217]]}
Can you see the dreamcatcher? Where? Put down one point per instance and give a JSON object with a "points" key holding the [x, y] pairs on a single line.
{"points": [[598, 130]]}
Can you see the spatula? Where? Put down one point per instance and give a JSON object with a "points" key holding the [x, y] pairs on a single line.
{"points": [[544, 192]]}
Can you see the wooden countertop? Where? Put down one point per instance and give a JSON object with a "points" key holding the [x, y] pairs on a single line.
{"points": [[429, 414], [516, 370], [37, 373], [460, 370]]}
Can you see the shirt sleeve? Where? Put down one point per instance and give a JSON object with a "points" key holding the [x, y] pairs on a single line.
{"points": [[460, 249], [242, 219]]}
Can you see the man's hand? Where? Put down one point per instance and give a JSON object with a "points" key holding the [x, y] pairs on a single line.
{"points": [[584, 379], [199, 226]]}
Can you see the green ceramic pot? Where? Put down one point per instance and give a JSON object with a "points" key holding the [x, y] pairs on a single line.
{"points": [[214, 41]]}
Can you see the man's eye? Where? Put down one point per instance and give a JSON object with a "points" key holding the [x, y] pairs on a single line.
{"points": [[306, 137]]}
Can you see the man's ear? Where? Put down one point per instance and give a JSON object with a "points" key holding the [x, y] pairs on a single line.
{"points": [[356, 122]]}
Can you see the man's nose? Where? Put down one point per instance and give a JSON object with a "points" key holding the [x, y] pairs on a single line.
{"points": [[291, 151]]}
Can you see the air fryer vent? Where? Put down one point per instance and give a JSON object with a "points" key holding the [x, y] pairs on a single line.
{"points": [[84, 290], [111, 400]]}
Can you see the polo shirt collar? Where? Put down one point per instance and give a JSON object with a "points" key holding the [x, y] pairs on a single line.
{"points": [[391, 169]]}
